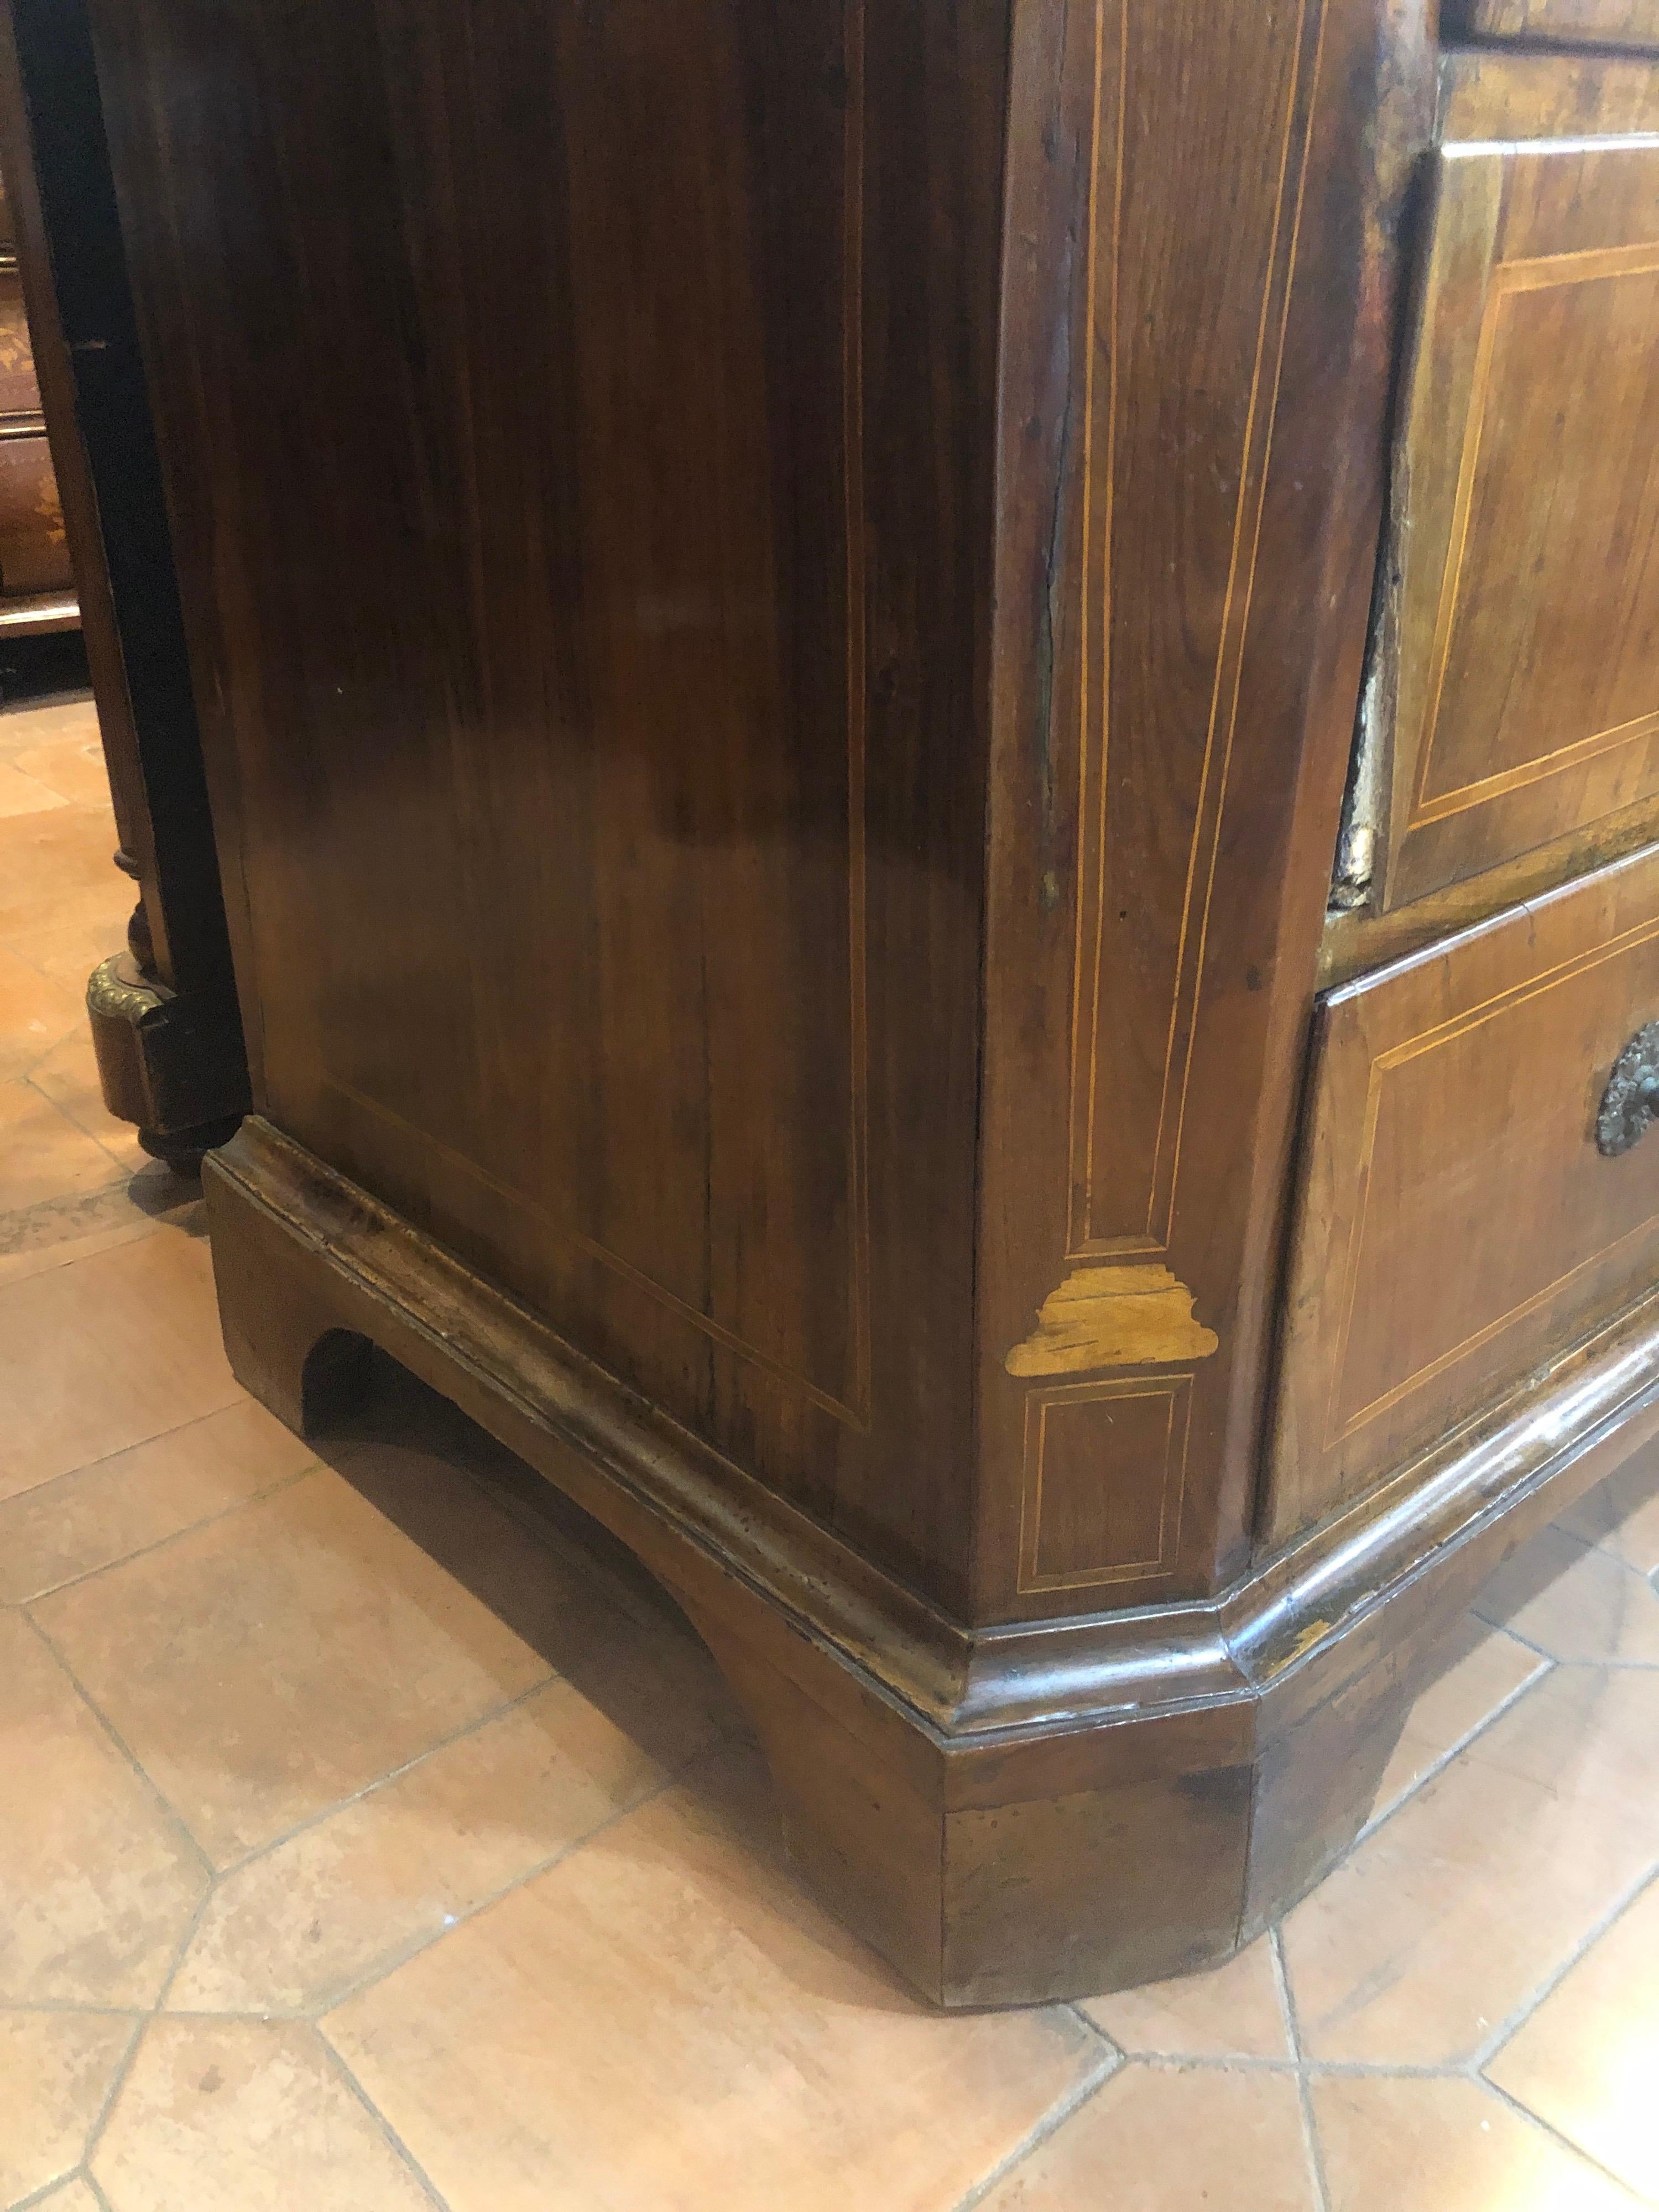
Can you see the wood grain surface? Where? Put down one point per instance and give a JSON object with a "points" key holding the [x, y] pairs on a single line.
{"points": [[1458, 1221], [1522, 652]]}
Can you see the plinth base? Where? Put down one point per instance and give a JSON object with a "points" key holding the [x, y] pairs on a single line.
{"points": [[1008, 1814]]}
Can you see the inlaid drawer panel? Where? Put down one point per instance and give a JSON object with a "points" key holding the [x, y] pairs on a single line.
{"points": [[1561, 22], [1521, 660], [19, 393], [33, 550], [1458, 1218]]}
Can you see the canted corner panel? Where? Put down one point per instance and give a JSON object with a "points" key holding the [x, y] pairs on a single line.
{"points": [[1527, 525], [1163, 616], [1103, 1476], [1458, 1221]]}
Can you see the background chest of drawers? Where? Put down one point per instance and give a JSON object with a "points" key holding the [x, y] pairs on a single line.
{"points": [[36, 587], [778, 602]]}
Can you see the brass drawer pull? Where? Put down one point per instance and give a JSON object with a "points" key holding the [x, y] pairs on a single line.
{"points": [[1630, 1100]]}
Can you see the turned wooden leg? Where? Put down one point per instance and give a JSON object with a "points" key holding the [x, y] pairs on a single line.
{"points": [[165, 1064]]}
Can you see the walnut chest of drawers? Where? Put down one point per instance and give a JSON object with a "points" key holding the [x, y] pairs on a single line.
{"points": [[933, 734]]}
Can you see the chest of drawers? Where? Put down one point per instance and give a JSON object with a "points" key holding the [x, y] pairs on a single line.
{"points": [[779, 601]]}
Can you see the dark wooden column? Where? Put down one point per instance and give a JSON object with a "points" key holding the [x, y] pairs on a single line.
{"points": [[164, 1022]]}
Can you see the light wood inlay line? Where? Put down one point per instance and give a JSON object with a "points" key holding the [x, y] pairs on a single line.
{"points": [[1087, 1238], [1092, 762], [1337, 1431], [1175, 1390], [857, 677], [1593, 265]]}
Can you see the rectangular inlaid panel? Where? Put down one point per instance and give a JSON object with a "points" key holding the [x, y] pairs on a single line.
{"points": [[1556, 22], [1458, 1218], [19, 393], [1166, 581], [1526, 630], [1091, 1514], [33, 551]]}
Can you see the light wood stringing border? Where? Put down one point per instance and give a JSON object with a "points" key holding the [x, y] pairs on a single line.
{"points": [[1086, 1238], [1176, 1388]]}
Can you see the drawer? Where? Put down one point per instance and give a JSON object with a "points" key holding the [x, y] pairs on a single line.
{"points": [[1556, 22], [1517, 696], [33, 551], [1457, 1219], [18, 392]]}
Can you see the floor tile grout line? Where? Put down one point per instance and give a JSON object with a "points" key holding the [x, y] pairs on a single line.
{"points": [[121, 1450], [134, 1231], [161, 1543], [124, 1168], [1453, 1752], [261, 1851], [1211, 2062], [1584, 1543], [1286, 1995], [182, 1948], [25, 1074], [180, 1951], [1598, 1546], [117, 2082], [1506, 1628], [415, 1945], [159, 1797], [117, 1171], [21, 2007], [1313, 2149], [1244, 2062], [1566, 2142], [47, 2189], [1109, 2063], [393, 2140], [1514, 2022], [338, 1805]]}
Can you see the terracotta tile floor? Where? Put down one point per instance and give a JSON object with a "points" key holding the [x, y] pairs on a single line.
{"points": [[373, 1836]]}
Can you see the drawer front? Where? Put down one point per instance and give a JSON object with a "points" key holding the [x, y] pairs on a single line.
{"points": [[1557, 22], [19, 394], [33, 550], [1458, 1221], [1522, 653]]}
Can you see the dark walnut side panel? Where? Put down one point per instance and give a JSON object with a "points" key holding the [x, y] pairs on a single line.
{"points": [[1459, 1221], [578, 427], [1192, 453], [1522, 655]]}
